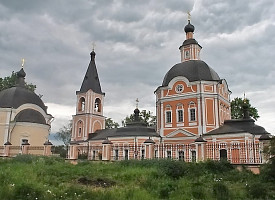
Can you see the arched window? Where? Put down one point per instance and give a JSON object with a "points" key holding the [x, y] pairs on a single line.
{"points": [[79, 128], [192, 111], [81, 104], [168, 114], [97, 105]]}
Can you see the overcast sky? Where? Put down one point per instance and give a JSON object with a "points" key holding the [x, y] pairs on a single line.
{"points": [[136, 44]]}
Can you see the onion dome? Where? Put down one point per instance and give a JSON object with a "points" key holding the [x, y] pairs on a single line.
{"points": [[193, 70], [48, 143], [189, 27], [107, 142], [200, 139], [29, 115], [149, 141], [16, 96]]}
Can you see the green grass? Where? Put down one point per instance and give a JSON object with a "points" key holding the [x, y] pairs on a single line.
{"points": [[30, 177]]}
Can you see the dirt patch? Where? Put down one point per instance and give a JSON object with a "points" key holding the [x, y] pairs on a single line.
{"points": [[99, 182]]}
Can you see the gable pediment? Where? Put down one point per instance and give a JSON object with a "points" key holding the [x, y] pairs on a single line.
{"points": [[180, 133]]}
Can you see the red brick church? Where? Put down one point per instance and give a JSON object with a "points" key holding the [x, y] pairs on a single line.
{"points": [[193, 119]]}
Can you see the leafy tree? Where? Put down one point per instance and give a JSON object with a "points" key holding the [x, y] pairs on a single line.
{"points": [[144, 116], [109, 123], [10, 81], [237, 109], [64, 134]]}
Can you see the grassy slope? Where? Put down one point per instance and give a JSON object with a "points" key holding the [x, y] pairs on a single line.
{"points": [[27, 177]]}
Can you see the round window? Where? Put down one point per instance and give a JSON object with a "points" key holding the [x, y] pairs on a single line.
{"points": [[179, 88]]}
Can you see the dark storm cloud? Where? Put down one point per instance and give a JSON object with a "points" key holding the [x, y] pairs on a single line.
{"points": [[136, 44]]}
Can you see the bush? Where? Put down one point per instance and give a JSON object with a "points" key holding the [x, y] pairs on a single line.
{"points": [[257, 190], [220, 191], [27, 191], [25, 158], [173, 169], [198, 191], [218, 166]]}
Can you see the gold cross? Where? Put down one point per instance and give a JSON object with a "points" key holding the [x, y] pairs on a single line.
{"points": [[137, 102], [23, 62], [189, 16], [93, 45]]}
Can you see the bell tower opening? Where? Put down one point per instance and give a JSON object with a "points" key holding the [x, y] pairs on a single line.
{"points": [[97, 107], [81, 104]]}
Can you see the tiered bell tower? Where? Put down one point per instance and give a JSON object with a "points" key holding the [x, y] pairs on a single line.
{"points": [[89, 105]]}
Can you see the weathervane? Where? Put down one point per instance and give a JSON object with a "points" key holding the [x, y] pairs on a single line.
{"points": [[93, 45], [137, 102], [23, 62]]}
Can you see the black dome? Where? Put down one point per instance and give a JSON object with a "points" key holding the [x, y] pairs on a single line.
{"points": [[30, 115], [193, 70], [189, 28], [17, 96]]}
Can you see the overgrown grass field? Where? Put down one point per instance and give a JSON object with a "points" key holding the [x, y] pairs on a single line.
{"points": [[29, 177]]}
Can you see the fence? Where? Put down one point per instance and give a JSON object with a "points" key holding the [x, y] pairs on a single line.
{"points": [[235, 153]]}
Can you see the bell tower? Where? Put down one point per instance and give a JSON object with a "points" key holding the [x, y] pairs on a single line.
{"points": [[89, 105]]}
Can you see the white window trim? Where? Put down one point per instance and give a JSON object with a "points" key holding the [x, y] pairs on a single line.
{"points": [[189, 114], [176, 88], [178, 116], [166, 117]]}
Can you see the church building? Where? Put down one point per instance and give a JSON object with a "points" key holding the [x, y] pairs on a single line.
{"points": [[24, 121], [193, 118]]}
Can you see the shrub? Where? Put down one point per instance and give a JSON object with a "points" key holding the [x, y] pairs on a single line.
{"points": [[27, 191], [25, 158], [198, 191], [220, 191], [257, 190], [218, 166], [173, 169]]}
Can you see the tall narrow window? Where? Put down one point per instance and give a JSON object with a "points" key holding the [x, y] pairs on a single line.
{"points": [[79, 131], [168, 117], [181, 155], [169, 154], [79, 128], [192, 111], [180, 115], [193, 156], [126, 154], [116, 154], [142, 154], [192, 114]]}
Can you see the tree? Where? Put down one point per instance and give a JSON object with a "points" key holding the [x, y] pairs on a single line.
{"points": [[144, 116], [237, 109], [10, 81], [64, 134], [109, 123]]}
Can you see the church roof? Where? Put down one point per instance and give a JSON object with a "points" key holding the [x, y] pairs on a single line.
{"points": [[132, 129], [193, 70], [29, 115], [91, 79], [19, 95], [239, 126]]}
